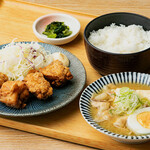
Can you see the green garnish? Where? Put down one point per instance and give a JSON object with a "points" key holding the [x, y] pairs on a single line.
{"points": [[124, 91], [57, 30], [145, 102], [126, 101]]}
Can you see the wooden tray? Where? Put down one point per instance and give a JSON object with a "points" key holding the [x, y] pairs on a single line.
{"points": [[67, 124]]}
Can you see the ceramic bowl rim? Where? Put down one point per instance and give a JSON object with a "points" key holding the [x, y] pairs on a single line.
{"points": [[55, 39], [101, 129], [109, 14]]}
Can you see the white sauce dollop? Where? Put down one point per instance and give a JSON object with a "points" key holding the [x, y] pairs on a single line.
{"points": [[61, 57]]}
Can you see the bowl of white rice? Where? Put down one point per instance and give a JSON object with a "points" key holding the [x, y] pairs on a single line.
{"points": [[118, 42]]}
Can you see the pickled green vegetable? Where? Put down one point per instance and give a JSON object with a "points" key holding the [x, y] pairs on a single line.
{"points": [[57, 30]]}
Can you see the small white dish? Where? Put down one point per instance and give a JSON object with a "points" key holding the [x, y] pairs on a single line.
{"points": [[40, 24]]}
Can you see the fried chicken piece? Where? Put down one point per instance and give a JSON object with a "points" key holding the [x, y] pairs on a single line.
{"points": [[3, 78], [56, 73], [37, 85], [14, 94]]}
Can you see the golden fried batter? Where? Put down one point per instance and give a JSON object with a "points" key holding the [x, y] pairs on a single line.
{"points": [[3, 78], [37, 85], [14, 94], [56, 73]]}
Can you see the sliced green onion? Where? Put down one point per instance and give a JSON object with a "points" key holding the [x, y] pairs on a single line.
{"points": [[126, 102], [145, 101], [124, 91]]}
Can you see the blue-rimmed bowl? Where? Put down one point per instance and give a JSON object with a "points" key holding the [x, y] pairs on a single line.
{"points": [[95, 87]]}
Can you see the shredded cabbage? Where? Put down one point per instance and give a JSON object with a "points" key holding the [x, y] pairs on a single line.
{"points": [[16, 59], [126, 101]]}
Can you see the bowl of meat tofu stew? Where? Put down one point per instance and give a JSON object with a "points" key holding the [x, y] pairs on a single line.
{"points": [[118, 105]]}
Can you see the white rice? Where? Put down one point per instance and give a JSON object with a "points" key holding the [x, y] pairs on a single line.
{"points": [[121, 39]]}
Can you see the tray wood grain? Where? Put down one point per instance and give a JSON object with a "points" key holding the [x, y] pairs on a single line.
{"points": [[16, 19]]}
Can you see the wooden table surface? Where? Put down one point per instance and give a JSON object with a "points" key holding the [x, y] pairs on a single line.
{"points": [[11, 139]]}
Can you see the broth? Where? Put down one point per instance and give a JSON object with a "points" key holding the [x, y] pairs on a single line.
{"points": [[108, 124]]}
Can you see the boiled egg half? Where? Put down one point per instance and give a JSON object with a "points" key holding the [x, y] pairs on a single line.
{"points": [[139, 121]]}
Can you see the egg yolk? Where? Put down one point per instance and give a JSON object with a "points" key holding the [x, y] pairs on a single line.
{"points": [[144, 119]]}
